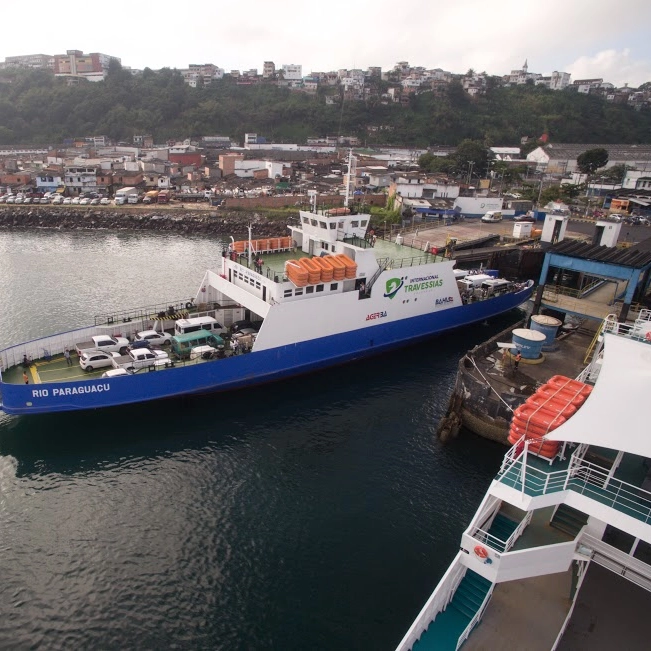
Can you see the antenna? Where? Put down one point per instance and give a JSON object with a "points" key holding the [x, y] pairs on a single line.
{"points": [[250, 226]]}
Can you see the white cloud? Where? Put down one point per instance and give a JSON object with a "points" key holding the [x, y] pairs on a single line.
{"points": [[618, 68]]}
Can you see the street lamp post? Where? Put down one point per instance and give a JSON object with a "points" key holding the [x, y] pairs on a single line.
{"points": [[539, 192], [470, 166]]}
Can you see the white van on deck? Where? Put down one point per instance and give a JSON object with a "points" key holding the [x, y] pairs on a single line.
{"points": [[492, 216], [209, 323]]}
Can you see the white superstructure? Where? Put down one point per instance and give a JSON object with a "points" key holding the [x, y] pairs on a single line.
{"points": [[557, 516]]}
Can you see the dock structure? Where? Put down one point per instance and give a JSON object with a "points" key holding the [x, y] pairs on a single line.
{"points": [[579, 280]]}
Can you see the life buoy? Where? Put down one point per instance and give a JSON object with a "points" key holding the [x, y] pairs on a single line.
{"points": [[647, 336], [481, 552], [188, 305]]}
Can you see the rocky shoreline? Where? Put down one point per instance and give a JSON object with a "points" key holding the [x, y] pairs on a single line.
{"points": [[176, 220]]}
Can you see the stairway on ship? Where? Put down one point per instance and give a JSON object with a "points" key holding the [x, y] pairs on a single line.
{"points": [[568, 520], [443, 633], [502, 528]]}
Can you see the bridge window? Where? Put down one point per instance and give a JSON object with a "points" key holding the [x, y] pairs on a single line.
{"points": [[309, 289], [334, 286], [354, 224], [333, 226], [323, 225], [288, 292], [319, 288], [365, 222]]}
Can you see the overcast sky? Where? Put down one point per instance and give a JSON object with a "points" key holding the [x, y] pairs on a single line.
{"points": [[587, 38]]}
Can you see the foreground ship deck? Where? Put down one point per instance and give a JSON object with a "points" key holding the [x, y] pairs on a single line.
{"points": [[326, 294], [531, 565]]}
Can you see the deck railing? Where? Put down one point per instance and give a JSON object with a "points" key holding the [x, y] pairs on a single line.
{"points": [[498, 544], [438, 601], [637, 330], [582, 477], [607, 556], [475, 620]]}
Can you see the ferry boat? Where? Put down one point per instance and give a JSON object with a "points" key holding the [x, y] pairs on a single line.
{"points": [[328, 293], [564, 530]]}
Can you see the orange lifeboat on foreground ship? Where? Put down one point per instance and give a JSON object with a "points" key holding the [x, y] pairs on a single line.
{"points": [[544, 411]]}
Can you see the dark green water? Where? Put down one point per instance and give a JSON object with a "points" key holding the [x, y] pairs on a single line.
{"points": [[315, 513]]}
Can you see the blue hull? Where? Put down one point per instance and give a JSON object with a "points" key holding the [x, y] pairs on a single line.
{"points": [[249, 369]]}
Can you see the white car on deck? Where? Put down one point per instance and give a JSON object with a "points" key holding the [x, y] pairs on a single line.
{"points": [[154, 337], [93, 359], [116, 372]]}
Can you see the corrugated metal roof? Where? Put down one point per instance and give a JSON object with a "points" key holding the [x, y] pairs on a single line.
{"points": [[615, 152], [636, 256]]}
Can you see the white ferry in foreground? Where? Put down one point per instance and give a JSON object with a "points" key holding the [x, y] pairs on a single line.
{"points": [[558, 554], [326, 294]]}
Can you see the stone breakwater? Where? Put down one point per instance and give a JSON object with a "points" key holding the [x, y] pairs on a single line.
{"points": [[195, 222]]}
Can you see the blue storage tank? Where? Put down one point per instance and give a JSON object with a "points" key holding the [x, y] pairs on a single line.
{"points": [[529, 342], [549, 326]]}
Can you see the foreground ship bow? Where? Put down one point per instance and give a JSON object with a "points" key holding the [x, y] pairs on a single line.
{"points": [[326, 294]]}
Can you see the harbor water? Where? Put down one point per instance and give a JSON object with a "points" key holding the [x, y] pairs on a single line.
{"points": [[317, 513]]}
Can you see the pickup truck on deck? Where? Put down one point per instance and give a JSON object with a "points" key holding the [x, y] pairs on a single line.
{"points": [[105, 343], [140, 358]]}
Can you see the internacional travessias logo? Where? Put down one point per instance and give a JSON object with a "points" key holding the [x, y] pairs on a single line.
{"points": [[393, 286], [425, 283]]}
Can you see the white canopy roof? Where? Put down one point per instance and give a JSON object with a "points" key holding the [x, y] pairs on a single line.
{"points": [[615, 415]]}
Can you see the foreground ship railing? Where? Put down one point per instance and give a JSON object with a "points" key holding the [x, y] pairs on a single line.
{"points": [[519, 471]]}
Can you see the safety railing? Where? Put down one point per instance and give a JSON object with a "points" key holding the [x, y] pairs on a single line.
{"points": [[475, 620], [582, 477], [516, 473], [489, 540], [638, 330], [593, 481], [480, 532], [607, 556], [383, 263], [438, 601]]}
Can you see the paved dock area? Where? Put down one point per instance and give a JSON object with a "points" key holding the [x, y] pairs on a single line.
{"points": [[567, 359], [465, 232]]}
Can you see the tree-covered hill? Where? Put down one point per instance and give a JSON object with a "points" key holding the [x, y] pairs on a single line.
{"points": [[37, 108]]}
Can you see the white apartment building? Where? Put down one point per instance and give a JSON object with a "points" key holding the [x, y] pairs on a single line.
{"points": [[292, 72]]}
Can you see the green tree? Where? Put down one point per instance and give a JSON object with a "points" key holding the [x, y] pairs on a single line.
{"points": [[472, 155], [571, 191], [552, 193], [615, 174], [592, 159]]}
